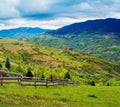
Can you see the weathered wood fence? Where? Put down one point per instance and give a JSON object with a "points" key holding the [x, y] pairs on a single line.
{"points": [[27, 81]]}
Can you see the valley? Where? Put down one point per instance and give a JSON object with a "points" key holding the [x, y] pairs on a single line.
{"points": [[90, 57]]}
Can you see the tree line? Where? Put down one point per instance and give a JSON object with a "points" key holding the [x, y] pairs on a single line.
{"points": [[29, 71]]}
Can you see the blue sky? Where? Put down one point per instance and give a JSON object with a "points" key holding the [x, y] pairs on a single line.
{"points": [[52, 14]]}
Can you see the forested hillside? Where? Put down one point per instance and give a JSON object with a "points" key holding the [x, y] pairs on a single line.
{"points": [[56, 62]]}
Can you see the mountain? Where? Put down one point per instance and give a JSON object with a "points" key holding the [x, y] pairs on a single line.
{"points": [[97, 37], [22, 32], [109, 25], [56, 62]]}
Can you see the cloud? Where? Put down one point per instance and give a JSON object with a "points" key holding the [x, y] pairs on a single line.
{"points": [[8, 9], [84, 6], [54, 13]]}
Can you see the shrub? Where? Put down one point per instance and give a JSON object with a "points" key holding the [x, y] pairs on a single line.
{"points": [[67, 76], [108, 84], [93, 96], [92, 83], [29, 73]]}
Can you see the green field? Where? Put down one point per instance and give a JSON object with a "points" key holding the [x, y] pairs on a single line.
{"points": [[60, 96]]}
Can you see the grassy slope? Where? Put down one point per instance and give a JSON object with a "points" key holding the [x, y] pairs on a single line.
{"points": [[82, 67], [60, 96]]}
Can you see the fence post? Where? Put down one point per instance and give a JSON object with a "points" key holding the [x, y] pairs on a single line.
{"points": [[1, 75], [20, 80], [46, 83], [35, 82], [1, 82], [58, 81]]}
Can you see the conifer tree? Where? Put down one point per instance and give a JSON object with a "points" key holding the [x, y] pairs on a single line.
{"points": [[0, 66], [29, 73], [7, 64], [42, 76]]}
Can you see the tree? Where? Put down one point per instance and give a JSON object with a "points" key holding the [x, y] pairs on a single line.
{"points": [[0, 66], [51, 77], [67, 76], [7, 64], [29, 73], [42, 76]]}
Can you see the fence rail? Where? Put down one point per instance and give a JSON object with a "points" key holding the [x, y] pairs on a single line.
{"points": [[27, 81]]}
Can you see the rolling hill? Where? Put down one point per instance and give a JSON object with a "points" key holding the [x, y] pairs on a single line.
{"points": [[56, 62]]}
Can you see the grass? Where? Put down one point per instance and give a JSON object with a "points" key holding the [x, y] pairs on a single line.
{"points": [[8, 105], [60, 96]]}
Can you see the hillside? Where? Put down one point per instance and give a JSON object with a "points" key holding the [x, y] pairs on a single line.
{"points": [[22, 32], [56, 62], [97, 37]]}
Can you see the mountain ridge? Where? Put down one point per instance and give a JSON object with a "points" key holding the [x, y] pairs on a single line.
{"points": [[108, 25]]}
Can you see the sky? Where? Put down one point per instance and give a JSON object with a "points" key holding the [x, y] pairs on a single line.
{"points": [[53, 14]]}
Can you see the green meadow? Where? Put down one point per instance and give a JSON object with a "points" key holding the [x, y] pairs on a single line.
{"points": [[60, 96]]}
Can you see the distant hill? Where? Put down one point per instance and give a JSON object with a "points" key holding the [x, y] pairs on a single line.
{"points": [[109, 25], [22, 32]]}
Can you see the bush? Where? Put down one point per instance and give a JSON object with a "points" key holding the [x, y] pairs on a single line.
{"points": [[92, 83], [108, 84], [29, 73], [67, 76], [93, 96]]}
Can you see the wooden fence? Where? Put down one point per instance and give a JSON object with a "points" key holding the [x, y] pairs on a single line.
{"points": [[27, 81]]}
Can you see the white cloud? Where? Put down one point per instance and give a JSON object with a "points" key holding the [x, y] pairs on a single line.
{"points": [[8, 9], [54, 13], [84, 6], [33, 6], [47, 24]]}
